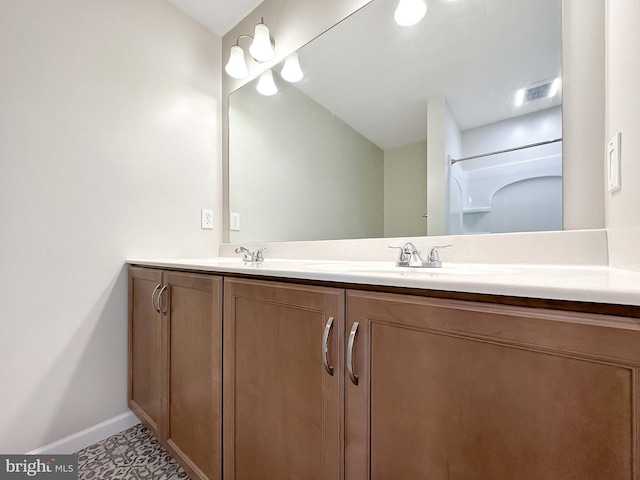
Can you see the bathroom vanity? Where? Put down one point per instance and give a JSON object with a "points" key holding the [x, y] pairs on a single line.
{"points": [[327, 370]]}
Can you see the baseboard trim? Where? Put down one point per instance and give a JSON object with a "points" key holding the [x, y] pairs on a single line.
{"points": [[88, 436]]}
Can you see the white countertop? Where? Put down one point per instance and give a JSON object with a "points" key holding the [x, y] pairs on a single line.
{"points": [[555, 282]]}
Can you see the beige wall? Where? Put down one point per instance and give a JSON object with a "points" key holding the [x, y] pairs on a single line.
{"points": [[302, 173], [109, 148], [623, 115], [405, 190]]}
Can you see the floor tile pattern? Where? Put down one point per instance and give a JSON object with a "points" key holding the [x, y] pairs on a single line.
{"points": [[133, 454]]}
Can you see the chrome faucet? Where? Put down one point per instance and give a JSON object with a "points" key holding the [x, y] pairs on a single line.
{"points": [[409, 256], [249, 256], [433, 260]]}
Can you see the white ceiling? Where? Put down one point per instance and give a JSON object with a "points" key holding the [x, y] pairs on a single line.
{"points": [[219, 16]]}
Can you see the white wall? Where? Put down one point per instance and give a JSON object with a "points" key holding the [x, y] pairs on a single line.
{"points": [[583, 99], [302, 173], [443, 140], [517, 131], [453, 199], [109, 148], [623, 115], [405, 190]]}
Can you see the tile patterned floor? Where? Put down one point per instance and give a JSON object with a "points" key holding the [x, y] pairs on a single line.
{"points": [[133, 454]]}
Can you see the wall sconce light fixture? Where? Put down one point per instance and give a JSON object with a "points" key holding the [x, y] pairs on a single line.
{"points": [[262, 49], [410, 12], [236, 66]]}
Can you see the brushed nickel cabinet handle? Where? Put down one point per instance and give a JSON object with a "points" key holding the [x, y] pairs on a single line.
{"points": [[162, 310], [153, 298], [325, 346], [352, 339]]}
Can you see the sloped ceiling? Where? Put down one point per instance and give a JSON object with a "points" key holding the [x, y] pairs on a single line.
{"points": [[219, 16]]}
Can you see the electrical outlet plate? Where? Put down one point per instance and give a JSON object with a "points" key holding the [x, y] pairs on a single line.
{"points": [[206, 219], [234, 222], [613, 163]]}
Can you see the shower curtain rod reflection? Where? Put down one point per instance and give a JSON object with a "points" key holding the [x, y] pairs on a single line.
{"points": [[455, 160]]}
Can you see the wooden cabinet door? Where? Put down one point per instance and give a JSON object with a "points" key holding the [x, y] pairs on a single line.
{"points": [[283, 410], [470, 391], [193, 432], [146, 348]]}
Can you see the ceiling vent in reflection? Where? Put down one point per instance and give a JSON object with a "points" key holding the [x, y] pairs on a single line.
{"points": [[537, 91]]}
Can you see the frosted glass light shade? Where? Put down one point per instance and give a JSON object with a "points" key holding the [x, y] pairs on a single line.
{"points": [[410, 12], [261, 48], [266, 85], [291, 70], [236, 66]]}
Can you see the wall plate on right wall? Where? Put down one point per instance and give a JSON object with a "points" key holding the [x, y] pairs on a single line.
{"points": [[614, 156]]}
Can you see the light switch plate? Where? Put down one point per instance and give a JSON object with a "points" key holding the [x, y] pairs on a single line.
{"points": [[206, 219], [234, 222], [613, 162]]}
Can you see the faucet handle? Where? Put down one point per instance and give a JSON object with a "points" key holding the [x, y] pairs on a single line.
{"points": [[259, 257], [433, 260], [402, 261]]}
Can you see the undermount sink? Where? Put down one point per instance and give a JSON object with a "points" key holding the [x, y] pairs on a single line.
{"points": [[390, 268]]}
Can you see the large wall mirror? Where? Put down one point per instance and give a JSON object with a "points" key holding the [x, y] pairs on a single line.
{"points": [[449, 126]]}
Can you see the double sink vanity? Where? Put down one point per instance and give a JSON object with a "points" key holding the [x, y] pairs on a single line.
{"points": [[517, 358], [352, 369]]}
